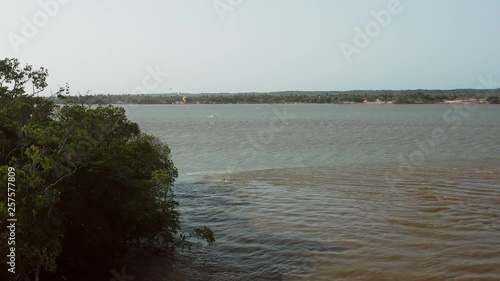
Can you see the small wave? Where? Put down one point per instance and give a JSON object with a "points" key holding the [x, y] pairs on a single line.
{"points": [[206, 173]]}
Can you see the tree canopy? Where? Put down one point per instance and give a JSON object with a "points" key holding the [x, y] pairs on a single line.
{"points": [[325, 97], [89, 184]]}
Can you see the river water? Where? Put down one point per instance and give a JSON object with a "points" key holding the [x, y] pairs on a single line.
{"points": [[335, 192]]}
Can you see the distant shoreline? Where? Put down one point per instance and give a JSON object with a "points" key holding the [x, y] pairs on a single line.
{"points": [[306, 103], [446, 102], [366, 97]]}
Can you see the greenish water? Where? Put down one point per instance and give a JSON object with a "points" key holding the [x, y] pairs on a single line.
{"points": [[333, 192]]}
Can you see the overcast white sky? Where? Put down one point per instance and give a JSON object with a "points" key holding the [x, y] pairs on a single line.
{"points": [[260, 45]]}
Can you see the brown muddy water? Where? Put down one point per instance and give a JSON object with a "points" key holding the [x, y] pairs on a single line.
{"points": [[324, 192]]}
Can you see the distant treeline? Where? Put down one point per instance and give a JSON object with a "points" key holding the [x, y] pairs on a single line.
{"points": [[396, 97]]}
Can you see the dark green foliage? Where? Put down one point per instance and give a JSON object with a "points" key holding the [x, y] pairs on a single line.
{"points": [[358, 96], [90, 184], [204, 233], [493, 99]]}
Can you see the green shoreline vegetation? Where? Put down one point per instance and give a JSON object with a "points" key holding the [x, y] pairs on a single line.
{"points": [[90, 187], [482, 96]]}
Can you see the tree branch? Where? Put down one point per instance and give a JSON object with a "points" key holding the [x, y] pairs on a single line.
{"points": [[63, 177]]}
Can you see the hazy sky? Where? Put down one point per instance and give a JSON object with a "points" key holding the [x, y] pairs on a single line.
{"points": [[113, 46]]}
